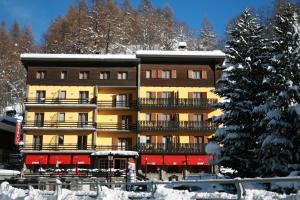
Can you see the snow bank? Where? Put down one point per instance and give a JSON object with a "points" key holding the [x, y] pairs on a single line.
{"points": [[7, 192], [7, 172]]}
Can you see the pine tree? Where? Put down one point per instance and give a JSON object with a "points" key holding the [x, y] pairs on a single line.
{"points": [[207, 39], [243, 76], [278, 144]]}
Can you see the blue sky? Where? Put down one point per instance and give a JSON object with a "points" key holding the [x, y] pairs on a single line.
{"points": [[38, 14]]}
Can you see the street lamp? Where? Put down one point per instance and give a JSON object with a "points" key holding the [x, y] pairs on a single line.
{"points": [[110, 159]]}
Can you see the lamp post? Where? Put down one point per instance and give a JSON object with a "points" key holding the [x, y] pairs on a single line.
{"points": [[110, 159]]}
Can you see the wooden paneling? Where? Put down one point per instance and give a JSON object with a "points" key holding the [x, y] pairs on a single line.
{"points": [[182, 75], [53, 74]]}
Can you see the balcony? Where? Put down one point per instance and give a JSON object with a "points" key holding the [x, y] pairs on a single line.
{"points": [[56, 147], [171, 148], [117, 104], [105, 126], [197, 126], [42, 102], [55, 125], [178, 103]]}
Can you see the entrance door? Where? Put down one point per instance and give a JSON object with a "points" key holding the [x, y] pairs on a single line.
{"points": [[39, 119], [40, 96], [37, 142], [82, 142], [82, 119], [124, 143]]}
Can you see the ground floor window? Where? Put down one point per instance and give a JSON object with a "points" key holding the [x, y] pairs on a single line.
{"points": [[120, 164]]}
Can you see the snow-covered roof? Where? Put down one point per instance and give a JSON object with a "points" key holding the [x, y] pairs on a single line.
{"points": [[181, 54], [115, 153], [77, 57]]}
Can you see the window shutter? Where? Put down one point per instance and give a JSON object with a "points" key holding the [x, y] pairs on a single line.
{"points": [[203, 95], [191, 139], [153, 73], [153, 139], [159, 139], [159, 73], [190, 117], [190, 74], [153, 116], [119, 119], [114, 142], [204, 74], [159, 95], [153, 95], [190, 95], [174, 75]]}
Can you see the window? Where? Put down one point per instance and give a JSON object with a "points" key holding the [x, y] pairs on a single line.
{"points": [[122, 75], [83, 97], [120, 164], [196, 74], [82, 119], [148, 74], [166, 74], [61, 117], [60, 140], [148, 117], [104, 75], [148, 95], [83, 75], [62, 95], [40, 75], [63, 75], [40, 96], [37, 142]]}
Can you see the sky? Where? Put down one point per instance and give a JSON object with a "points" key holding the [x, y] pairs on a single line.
{"points": [[38, 14]]}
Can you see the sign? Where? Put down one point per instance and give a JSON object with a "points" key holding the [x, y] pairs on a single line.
{"points": [[18, 133]]}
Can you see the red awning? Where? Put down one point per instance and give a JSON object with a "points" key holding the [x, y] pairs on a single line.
{"points": [[174, 160], [60, 159], [81, 159], [36, 159], [198, 159], [151, 160]]}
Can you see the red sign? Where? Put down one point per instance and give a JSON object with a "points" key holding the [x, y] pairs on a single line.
{"points": [[36, 159], [81, 159], [18, 133]]}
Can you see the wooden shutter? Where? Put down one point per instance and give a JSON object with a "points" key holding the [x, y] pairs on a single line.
{"points": [[153, 139], [190, 117], [204, 74], [160, 139], [119, 119], [203, 95], [153, 95], [190, 74], [153, 116], [114, 100], [192, 139], [115, 142], [174, 75], [190, 95], [159, 95], [129, 100], [153, 73], [159, 73]]}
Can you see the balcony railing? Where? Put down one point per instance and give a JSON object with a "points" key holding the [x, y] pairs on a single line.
{"points": [[171, 148], [57, 124], [117, 104], [176, 126], [116, 127], [55, 147], [176, 103], [59, 101]]}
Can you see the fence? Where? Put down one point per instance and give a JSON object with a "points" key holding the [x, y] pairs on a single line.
{"points": [[151, 185]]}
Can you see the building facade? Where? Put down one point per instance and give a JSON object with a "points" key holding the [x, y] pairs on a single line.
{"points": [[158, 103]]}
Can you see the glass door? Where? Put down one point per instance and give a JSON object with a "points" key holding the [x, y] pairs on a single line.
{"points": [[83, 97], [124, 144], [37, 142], [39, 119], [82, 119], [167, 142], [82, 142], [121, 100], [40, 96]]}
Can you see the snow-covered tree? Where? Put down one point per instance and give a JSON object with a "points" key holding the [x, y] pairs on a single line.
{"points": [[242, 77], [207, 40], [279, 145]]}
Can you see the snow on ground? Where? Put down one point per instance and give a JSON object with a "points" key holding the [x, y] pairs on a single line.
{"points": [[8, 192]]}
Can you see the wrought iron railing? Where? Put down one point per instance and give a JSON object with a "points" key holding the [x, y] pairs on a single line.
{"points": [[117, 104], [60, 101], [171, 148], [56, 147], [58, 124], [176, 103], [176, 126], [116, 126]]}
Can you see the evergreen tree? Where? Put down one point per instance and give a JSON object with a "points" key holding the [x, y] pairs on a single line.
{"points": [[278, 144], [243, 75]]}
